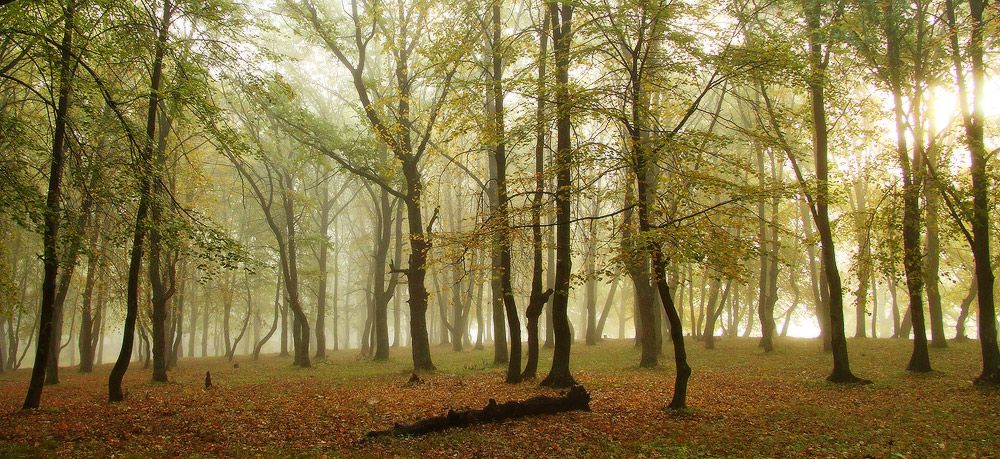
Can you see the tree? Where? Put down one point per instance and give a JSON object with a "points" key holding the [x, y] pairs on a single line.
{"points": [[537, 298], [144, 171], [912, 182], [973, 122], [819, 58], [396, 130], [45, 329], [561, 15]]}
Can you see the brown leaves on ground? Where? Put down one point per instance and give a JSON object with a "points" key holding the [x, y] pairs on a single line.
{"points": [[743, 404]]}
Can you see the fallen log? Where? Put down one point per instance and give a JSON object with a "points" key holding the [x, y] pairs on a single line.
{"points": [[576, 399]]}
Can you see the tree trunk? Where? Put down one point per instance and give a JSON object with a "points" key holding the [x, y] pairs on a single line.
{"points": [[50, 236], [561, 15], [863, 233], [204, 327], [115, 393], [912, 182], [231, 351], [537, 298], [974, 118], [324, 247], [87, 322], [176, 349], [274, 323], [963, 313], [708, 336], [162, 284], [933, 260], [816, 85], [382, 292], [608, 302], [396, 311]]}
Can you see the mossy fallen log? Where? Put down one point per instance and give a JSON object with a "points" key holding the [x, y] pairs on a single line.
{"points": [[576, 399]]}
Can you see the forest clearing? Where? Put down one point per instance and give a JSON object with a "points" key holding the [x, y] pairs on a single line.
{"points": [[742, 403]]}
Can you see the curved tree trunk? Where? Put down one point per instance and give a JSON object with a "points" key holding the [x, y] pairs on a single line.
{"points": [[115, 392], [274, 323]]}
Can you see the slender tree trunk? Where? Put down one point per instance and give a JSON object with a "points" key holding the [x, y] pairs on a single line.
{"points": [[324, 232], [912, 182], [192, 325], [862, 230], [227, 310], [115, 393], [816, 85], [550, 261], [963, 313], [382, 292], [231, 351], [503, 218], [396, 310], [274, 323], [50, 237], [708, 336], [768, 294], [87, 322], [793, 284], [875, 309], [932, 265], [590, 286], [204, 327], [176, 349], [607, 309]]}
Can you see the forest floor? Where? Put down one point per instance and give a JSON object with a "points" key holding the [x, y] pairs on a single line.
{"points": [[742, 403]]}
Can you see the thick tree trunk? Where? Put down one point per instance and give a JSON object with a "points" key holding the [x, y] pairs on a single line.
{"points": [[561, 15], [417, 272], [162, 284], [974, 119]]}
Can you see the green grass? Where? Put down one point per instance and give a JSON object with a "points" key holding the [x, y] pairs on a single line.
{"points": [[742, 403]]}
